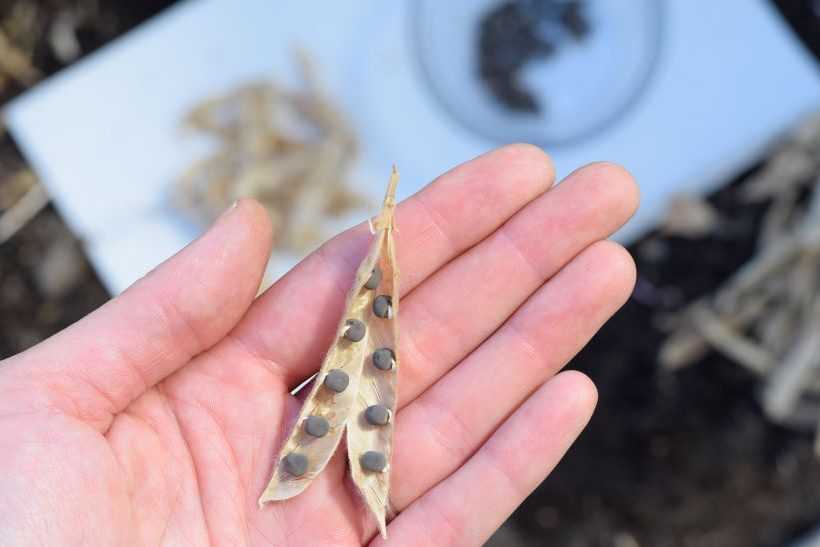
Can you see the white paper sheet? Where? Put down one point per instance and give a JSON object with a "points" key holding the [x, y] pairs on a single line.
{"points": [[104, 135]]}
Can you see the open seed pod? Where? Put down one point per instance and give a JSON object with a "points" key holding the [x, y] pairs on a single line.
{"points": [[356, 385]]}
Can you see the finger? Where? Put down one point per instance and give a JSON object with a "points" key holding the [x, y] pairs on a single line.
{"points": [[96, 367], [467, 507], [291, 326], [458, 307], [443, 427]]}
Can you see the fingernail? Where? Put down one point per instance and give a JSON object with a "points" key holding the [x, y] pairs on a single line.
{"points": [[227, 211]]}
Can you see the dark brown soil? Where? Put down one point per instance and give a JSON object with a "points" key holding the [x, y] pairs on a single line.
{"points": [[670, 459], [683, 458]]}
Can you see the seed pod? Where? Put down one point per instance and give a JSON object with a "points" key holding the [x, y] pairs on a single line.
{"points": [[350, 395], [377, 386]]}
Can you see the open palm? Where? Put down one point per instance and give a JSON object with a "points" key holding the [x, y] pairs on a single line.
{"points": [[156, 420]]}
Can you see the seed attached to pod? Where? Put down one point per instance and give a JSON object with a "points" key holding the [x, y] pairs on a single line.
{"points": [[354, 393], [377, 415], [383, 306], [296, 464], [373, 461], [316, 426], [384, 359], [337, 380], [375, 279], [354, 330]]}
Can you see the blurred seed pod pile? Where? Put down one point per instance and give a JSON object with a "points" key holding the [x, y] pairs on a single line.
{"points": [[291, 150], [766, 317]]}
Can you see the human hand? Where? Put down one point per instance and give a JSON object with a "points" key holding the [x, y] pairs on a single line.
{"points": [[156, 419]]}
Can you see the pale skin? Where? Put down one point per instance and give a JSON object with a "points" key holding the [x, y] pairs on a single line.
{"points": [[155, 420]]}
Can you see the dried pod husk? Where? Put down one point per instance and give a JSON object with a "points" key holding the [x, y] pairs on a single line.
{"points": [[377, 386], [368, 385]]}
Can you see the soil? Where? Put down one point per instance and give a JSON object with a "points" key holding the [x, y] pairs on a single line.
{"points": [[670, 459], [676, 458]]}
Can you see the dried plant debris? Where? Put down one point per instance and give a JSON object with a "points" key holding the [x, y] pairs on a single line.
{"points": [[766, 317], [19, 28], [517, 32], [21, 198], [689, 216], [16, 64], [289, 149], [24, 23], [355, 389], [791, 166]]}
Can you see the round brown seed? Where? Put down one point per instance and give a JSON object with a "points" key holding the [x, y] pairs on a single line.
{"points": [[337, 380], [384, 358], [316, 426], [377, 415], [383, 306], [354, 330], [373, 461], [296, 464], [375, 279]]}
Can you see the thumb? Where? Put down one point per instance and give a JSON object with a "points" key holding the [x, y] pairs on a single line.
{"points": [[96, 367]]}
